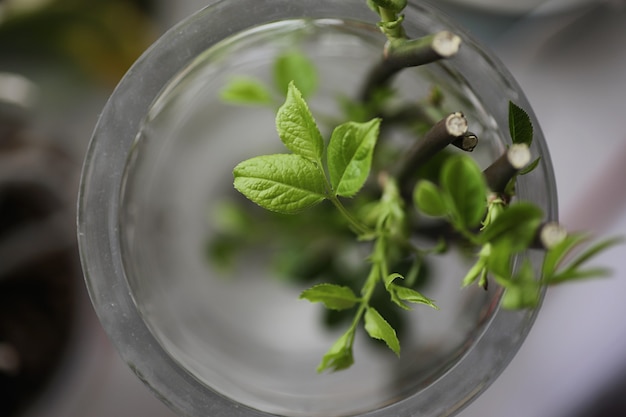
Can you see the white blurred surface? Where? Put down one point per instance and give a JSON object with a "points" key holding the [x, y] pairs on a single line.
{"points": [[573, 69]]}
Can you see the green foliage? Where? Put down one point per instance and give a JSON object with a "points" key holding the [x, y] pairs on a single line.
{"points": [[289, 67], [297, 128], [350, 156], [339, 356], [461, 195], [285, 183], [520, 125], [378, 328], [515, 227], [246, 91], [334, 297], [295, 67], [465, 190], [496, 231]]}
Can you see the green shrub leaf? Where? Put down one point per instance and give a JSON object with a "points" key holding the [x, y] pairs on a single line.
{"points": [[350, 155], [339, 356], [464, 183], [297, 128], [520, 125], [411, 296], [244, 90], [334, 297], [378, 328], [515, 227], [522, 291], [428, 198], [297, 67], [284, 183]]}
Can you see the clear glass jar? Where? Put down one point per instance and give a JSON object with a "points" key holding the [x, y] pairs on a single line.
{"points": [[161, 159]]}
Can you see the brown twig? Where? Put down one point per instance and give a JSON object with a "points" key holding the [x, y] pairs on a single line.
{"points": [[409, 53], [448, 130], [506, 167]]}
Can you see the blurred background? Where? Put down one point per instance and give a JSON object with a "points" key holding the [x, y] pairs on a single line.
{"points": [[59, 61]]}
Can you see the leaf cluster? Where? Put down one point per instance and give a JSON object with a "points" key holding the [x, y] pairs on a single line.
{"points": [[289, 183], [497, 229]]}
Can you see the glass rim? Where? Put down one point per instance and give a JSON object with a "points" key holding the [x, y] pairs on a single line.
{"points": [[105, 277]]}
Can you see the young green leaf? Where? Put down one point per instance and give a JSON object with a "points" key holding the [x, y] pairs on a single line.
{"points": [[297, 67], [391, 289], [500, 258], [284, 183], [334, 297], [515, 227], [474, 272], [297, 128], [572, 274], [245, 90], [520, 125], [389, 279], [378, 328], [556, 255], [349, 155], [428, 198], [464, 183], [572, 271], [522, 291], [339, 356], [412, 296], [594, 250]]}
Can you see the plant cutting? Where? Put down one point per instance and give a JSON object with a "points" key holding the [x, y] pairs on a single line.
{"points": [[402, 187], [476, 209]]}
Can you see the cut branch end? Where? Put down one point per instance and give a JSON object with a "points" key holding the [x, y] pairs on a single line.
{"points": [[519, 155], [446, 44], [456, 124], [551, 234], [467, 142]]}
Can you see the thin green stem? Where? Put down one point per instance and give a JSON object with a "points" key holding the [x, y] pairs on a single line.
{"points": [[367, 292], [354, 223]]}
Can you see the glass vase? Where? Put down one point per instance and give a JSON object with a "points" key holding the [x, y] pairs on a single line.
{"points": [[237, 341]]}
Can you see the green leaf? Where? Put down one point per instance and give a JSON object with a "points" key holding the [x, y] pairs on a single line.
{"points": [[389, 279], [516, 227], [378, 328], [350, 155], [499, 259], [284, 183], [334, 297], [530, 167], [594, 250], [572, 274], [463, 182], [522, 291], [339, 356], [474, 272], [427, 197], [297, 128], [297, 67], [555, 255], [411, 296], [520, 125], [244, 90]]}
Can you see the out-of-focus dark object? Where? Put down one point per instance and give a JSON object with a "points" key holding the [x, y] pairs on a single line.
{"points": [[608, 401], [39, 271], [95, 40]]}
